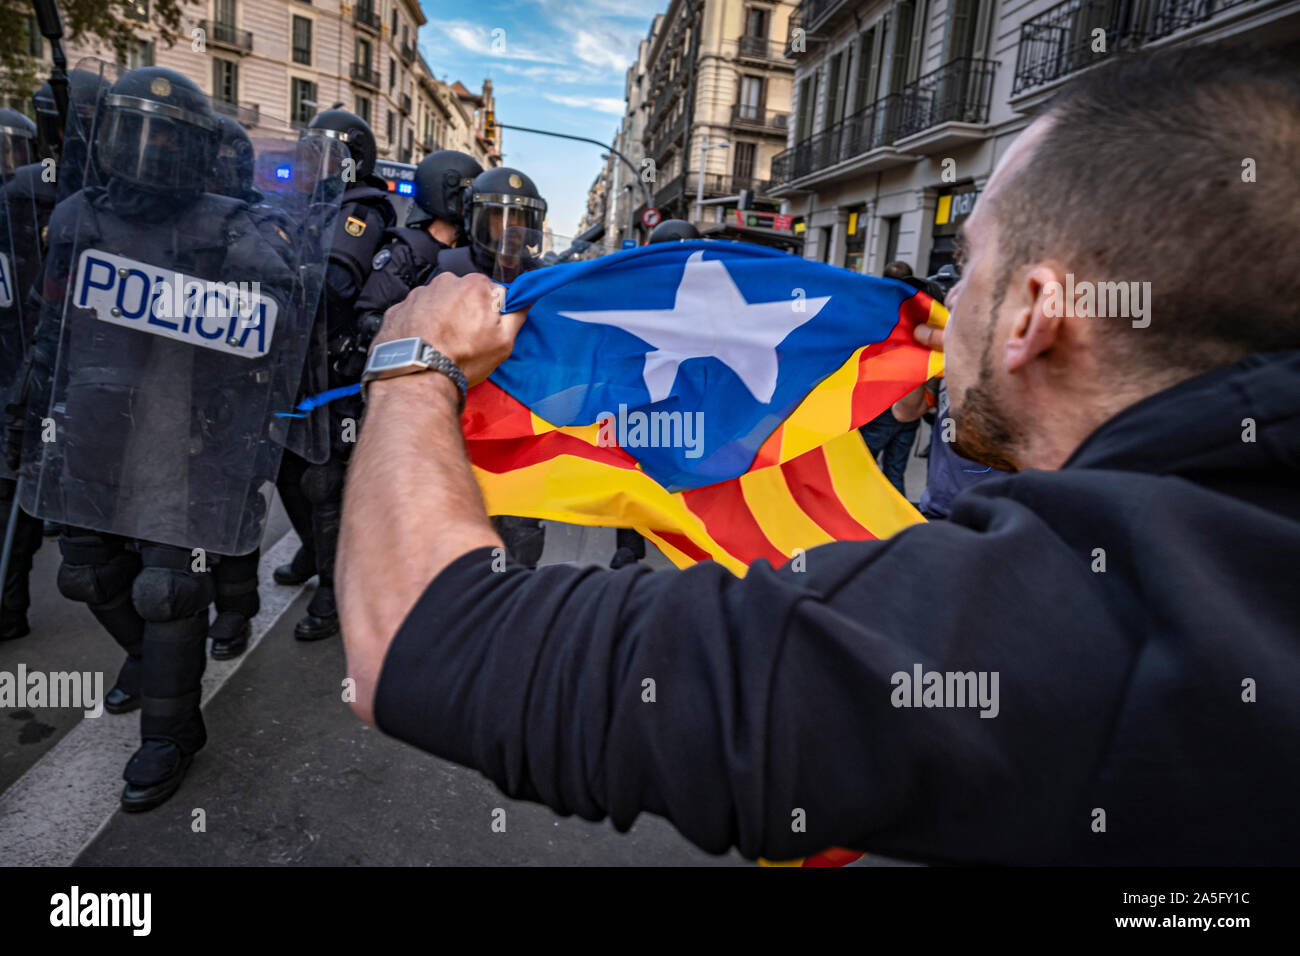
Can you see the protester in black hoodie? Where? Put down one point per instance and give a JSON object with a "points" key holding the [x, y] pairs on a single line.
{"points": [[1125, 604]]}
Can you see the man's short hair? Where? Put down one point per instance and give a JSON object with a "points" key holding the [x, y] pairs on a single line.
{"points": [[898, 269], [1163, 167]]}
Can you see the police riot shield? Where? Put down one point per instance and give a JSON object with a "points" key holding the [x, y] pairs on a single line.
{"points": [[180, 331], [27, 192]]}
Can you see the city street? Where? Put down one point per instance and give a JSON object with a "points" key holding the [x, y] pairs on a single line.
{"points": [[289, 775]]}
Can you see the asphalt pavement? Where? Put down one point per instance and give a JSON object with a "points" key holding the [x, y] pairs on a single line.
{"points": [[289, 775]]}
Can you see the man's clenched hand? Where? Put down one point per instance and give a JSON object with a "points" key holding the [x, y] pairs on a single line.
{"points": [[459, 316]]}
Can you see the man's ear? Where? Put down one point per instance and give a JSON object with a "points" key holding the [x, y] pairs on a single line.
{"points": [[1039, 322]]}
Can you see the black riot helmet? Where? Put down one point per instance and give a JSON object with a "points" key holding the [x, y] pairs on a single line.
{"points": [[158, 132], [947, 277], [17, 142], [440, 180], [351, 130], [232, 168], [503, 220], [85, 98], [674, 230]]}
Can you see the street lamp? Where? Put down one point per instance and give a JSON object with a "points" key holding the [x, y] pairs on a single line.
{"points": [[699, 185]]}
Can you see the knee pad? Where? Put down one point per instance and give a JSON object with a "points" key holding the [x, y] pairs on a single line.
{"points": [[324, 483], [166, 594], [95, 571]]}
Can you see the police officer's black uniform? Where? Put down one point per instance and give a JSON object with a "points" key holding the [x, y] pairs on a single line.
{"points": [[152, 598], [313, 493], [27, 197]]}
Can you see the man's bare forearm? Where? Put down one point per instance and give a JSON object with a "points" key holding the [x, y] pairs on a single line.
{"points": [[411, 507]]}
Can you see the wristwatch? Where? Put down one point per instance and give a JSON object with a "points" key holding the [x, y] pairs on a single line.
{"points": [[404, 356]]}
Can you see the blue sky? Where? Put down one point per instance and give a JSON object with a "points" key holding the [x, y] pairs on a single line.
{"points": [[562, 69]]}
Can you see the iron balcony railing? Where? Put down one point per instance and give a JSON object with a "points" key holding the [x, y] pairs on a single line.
{"points": [[1061, 40], [406, 102], [760, 48], [429, 145], [669, 191], [667, 135], [725, 184], [363, 15], [227, 34], [755, 117], [245, 115], [814, 11], [959, 91], [363, 74]]}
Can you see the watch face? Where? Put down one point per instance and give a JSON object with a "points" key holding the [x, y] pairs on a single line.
{"points": [[394, 354]]}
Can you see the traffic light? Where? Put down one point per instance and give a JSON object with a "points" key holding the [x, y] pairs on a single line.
{"points": [[490, 125]]}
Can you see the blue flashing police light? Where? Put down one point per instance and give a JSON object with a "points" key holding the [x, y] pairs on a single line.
{"points": [[284, 172], [405, 189]]}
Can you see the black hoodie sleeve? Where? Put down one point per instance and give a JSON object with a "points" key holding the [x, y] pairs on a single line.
{"points": [[763, 712]]}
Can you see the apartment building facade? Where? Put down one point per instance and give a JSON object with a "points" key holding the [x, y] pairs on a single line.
{"points": [[708, 103], [902, 107], [282, 61]]}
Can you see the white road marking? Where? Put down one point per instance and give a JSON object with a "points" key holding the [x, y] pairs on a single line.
{"points": [[60, 804]]}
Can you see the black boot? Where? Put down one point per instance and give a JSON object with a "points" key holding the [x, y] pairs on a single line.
{"points": [[125, 694], [235, 583], [299, 570], [322, 620], [153, 774]]}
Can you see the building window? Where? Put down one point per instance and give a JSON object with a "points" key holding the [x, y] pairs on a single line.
{"points": [[363, 108], [892, 226], [392, 73], [867, 85], [303, 104], [855, 239], [394, 22], [756, 21], [225, 80], [302, 41], [138, 55], [363, 53], [751, 98], [743, 170], [807, 100], [835, 89], [392, 126], [223, 13], [963, 22]]}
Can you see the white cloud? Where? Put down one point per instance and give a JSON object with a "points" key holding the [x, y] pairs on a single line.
{"points": [[604, 49], [601, 104], [479, 39]]}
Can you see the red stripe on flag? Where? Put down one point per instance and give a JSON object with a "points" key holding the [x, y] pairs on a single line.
{"points": [[809, 480], [684, 544], [835, 856], [506, 454], [726, 516], [492, 412], [890, 368]]}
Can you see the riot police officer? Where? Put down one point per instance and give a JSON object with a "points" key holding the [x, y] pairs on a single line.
{"points": [[504, 214], [26, 200], [673, 230], [436, 222], [161, 431], [365, 214]]}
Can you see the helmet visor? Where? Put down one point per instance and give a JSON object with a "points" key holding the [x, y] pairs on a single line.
{"points": [[320, 159], [507, 234], [17, 148], [153, 145]]}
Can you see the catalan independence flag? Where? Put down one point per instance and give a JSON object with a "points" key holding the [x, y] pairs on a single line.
{"points": [[706, 394]]}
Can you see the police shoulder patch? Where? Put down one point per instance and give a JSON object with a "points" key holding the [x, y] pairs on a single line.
{"points": [[354, 226], [381, 259]]}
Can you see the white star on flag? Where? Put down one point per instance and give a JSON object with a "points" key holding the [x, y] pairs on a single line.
{"points": [[710, 318]]}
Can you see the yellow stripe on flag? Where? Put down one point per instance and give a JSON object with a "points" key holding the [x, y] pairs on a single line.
{"points": [[825, 412], [866, 493], [786, 525]]}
